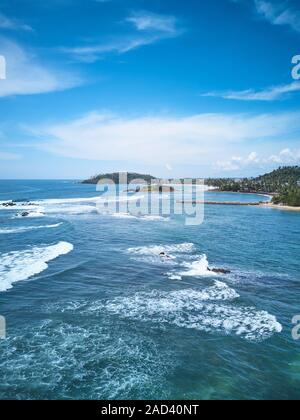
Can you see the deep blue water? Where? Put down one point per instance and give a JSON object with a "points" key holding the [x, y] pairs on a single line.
{"points": [[110, 318]]}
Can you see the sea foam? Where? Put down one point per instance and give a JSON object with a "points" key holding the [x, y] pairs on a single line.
{"points": [[21, 265], [157, 249], [28, 228], [207, 310], [198, 268]]}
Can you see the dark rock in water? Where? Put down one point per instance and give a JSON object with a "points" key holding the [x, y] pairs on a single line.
{"points": [[219, 270], [25, 214], [27, 204], [164, 255], [9, 204]]}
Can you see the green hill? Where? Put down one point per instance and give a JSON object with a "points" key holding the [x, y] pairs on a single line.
{"points": [[283, 183], [271, 183], [115, 178]]}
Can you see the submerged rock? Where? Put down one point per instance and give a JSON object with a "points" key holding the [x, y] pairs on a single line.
{"points": [[219, 270]]}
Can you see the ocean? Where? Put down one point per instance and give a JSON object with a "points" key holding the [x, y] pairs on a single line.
{"points": [[93, 311]]}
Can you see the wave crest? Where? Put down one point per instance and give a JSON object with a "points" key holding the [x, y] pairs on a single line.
{"points": [[21, 265]]}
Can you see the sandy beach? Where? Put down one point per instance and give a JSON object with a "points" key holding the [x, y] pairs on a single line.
{"points": [[280, 207]]}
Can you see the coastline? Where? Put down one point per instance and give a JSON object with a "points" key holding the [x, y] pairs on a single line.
{"points": [[267, 204], [217, 190], [280, 207]]}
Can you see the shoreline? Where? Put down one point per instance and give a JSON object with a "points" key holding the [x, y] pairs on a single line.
{"points": [[262, 204], [280, 207], [270, 195]]}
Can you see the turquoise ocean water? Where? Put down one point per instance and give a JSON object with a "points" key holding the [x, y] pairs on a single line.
{"points": [[94, 312]]}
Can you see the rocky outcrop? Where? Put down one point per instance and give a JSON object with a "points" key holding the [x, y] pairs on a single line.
{"points": [[9, 204], [219, 270]]}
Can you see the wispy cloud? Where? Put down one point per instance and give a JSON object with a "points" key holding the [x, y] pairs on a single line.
{"points": [[194, 140], [9, 156], [273, 93], [148, 28], [284, 157], [12, 24], [279, 13], [146, 21], [26, 75]]}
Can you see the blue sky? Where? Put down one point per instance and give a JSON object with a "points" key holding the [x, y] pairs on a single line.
{"points": [[174, 88]]}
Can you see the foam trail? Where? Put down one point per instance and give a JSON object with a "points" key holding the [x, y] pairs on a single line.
{"points": [[95, 200], [72, 210], [147, 218], [157, 249], [205, 310], [124, 216], [150, 218], [28, 228], [21, 265]]}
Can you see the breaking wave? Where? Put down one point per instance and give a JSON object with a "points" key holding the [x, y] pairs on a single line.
{"points": [[21, 265], [198, 268]]}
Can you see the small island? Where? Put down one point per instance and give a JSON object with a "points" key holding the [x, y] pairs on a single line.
{"points": [[115, 177]]}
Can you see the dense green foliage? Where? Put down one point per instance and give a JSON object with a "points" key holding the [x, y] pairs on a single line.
{"points": [[283, 181], [289, 197], [115, 177]]}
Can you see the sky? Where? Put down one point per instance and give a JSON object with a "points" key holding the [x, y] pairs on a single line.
{"points": [[195, 88]]}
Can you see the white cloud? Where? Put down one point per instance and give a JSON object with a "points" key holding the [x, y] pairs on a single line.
{"points": [[25, 75], [284, 157], [198, 139], [12, 24], [146, 21], [237, 162], [270, 94], [279, 13], [148, 29]]}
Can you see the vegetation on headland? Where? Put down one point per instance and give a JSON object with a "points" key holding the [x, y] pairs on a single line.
{"points": [[131, 176], [289, 197], [282, 183], [271, 183]]}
